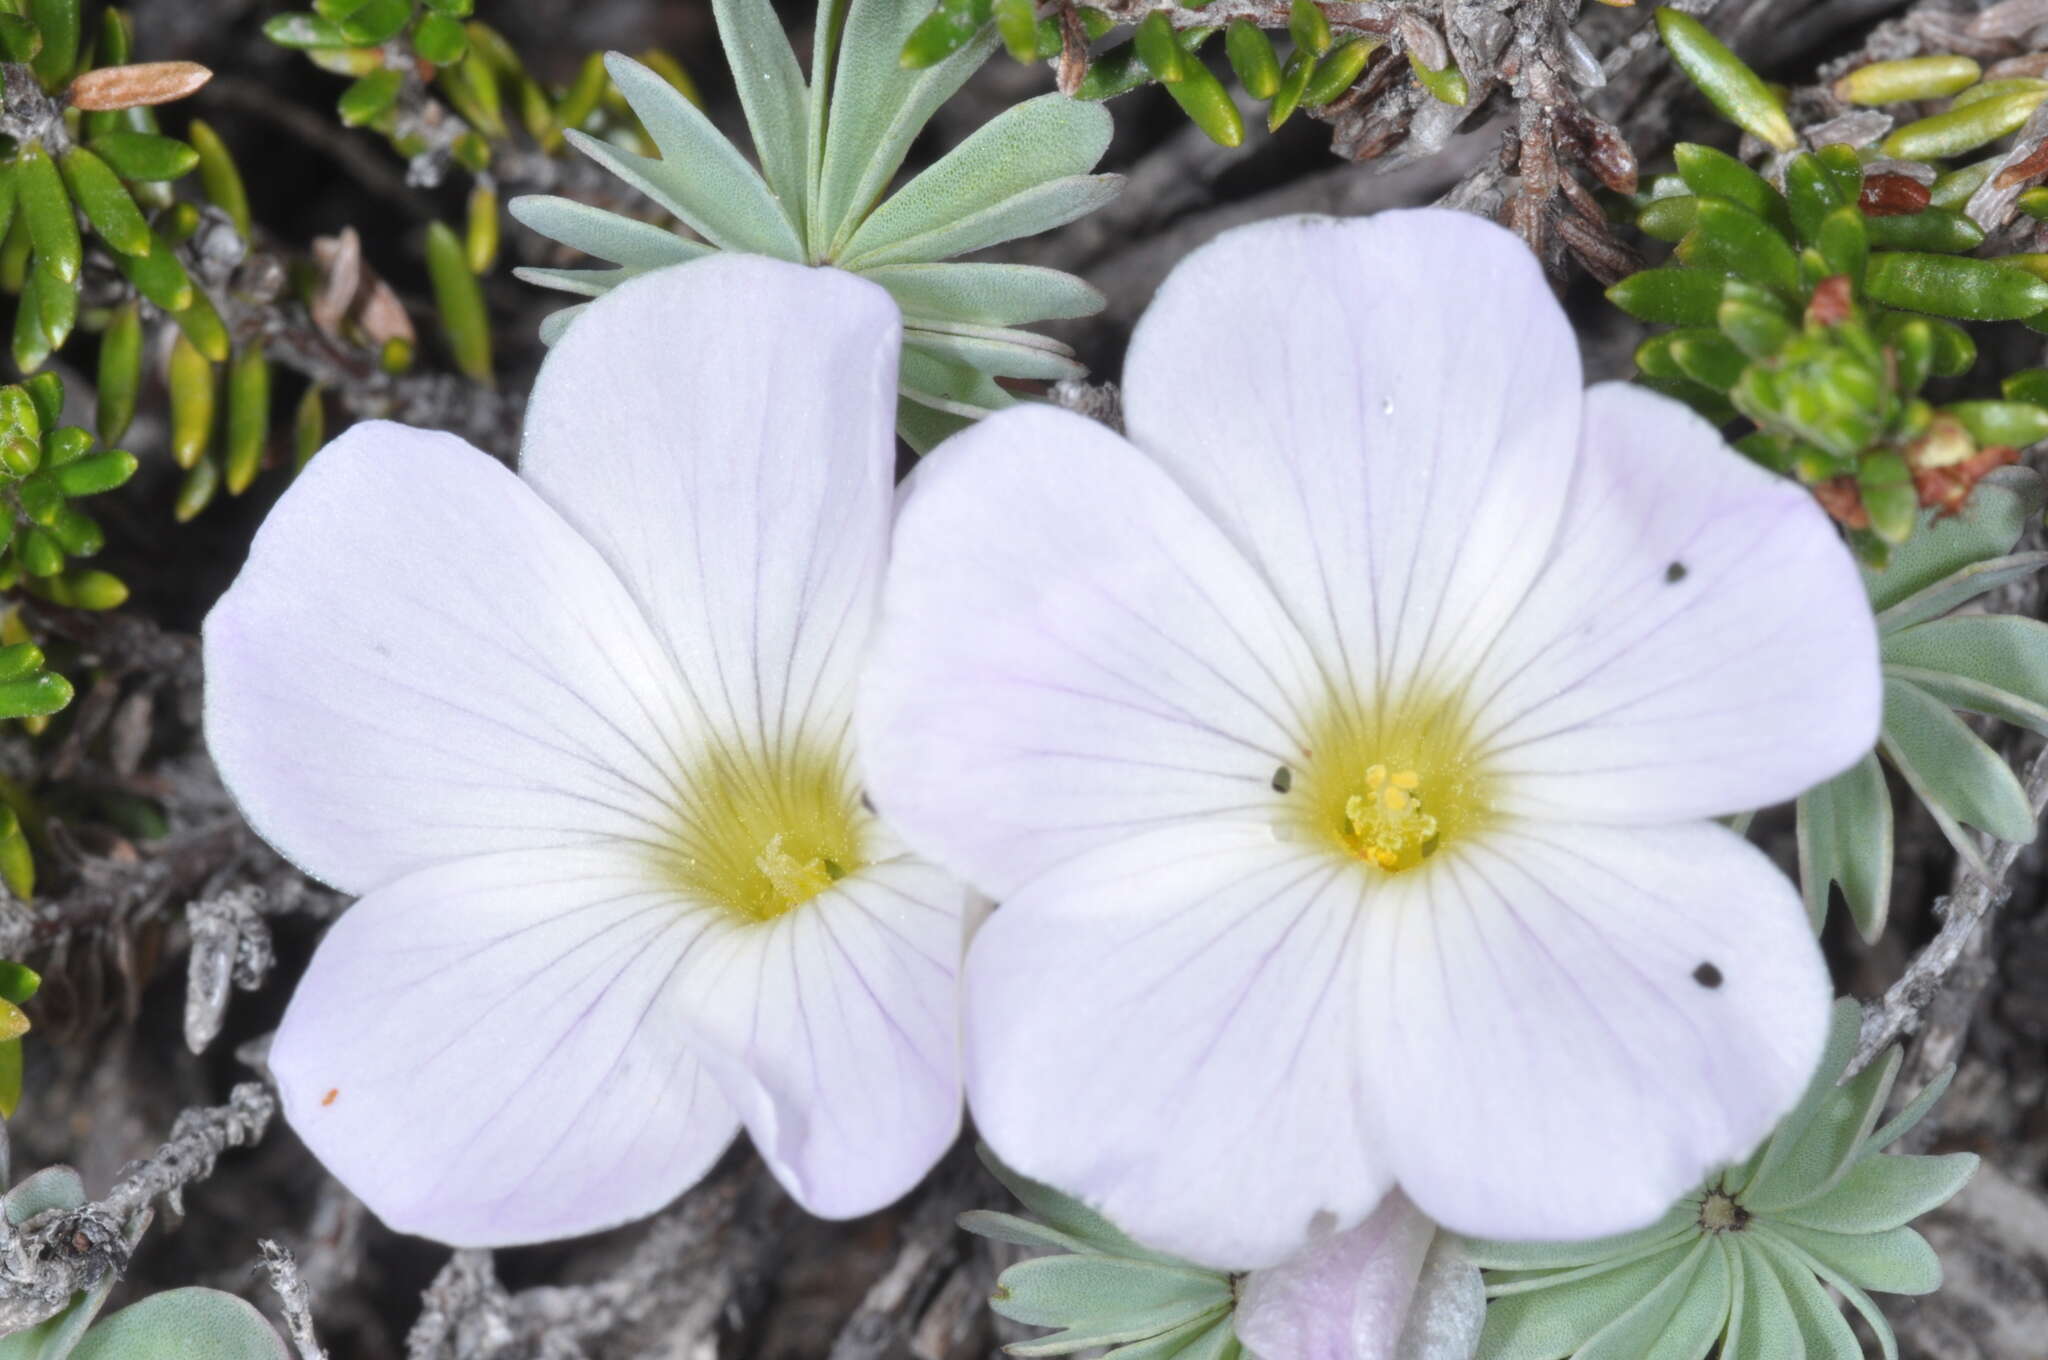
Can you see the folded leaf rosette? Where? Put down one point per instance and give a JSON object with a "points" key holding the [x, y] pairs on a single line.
{"points": [[827, 155], [1343, 748], [1937, 660], [580, 738], [1745, 1262]]}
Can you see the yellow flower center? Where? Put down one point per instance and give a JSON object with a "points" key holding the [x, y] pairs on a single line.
{"points": [[1390, 788], [760, 836]]}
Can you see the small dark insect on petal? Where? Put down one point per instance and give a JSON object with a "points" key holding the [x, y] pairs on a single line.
{"points": [[867, 804], [1283, 779], [1675, 572], [1707, 975]]}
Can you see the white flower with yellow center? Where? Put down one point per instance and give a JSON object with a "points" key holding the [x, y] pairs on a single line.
{"points": [[1343, 749], [581, 739]]}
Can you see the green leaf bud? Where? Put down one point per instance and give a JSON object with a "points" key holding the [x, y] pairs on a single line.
{"points": [[219, 177], [196, 492], [1736, 241], [145, 155], [2015, 423], [1252, 58], [309, 427], [1294, 79], [61, 26], [33, 697], [1963, 129], [1953, 189], [202, 325], [107, 203], [1208, 104], [65, 444], [88, 588], [1309, 27], [159, 276], [1716, 174], [1159, 49], [47, 208], [1894, 82], [1758, 331], [95, 473], [1994, 89], [192, 402], [461, 303], [1955, 286], [1446, 86], [120, 371], [369, 97], [1338, 71], [440, 39], [1936, 229], [1738, 92], [1677, 297], [303, 31], [248, 422]]}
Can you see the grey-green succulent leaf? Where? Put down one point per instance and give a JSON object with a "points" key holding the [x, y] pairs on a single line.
{"points": [[1039, 208], [987, 294], [772, 94], [1102, 1289], [582, 282], [623, 240], [1995, 664], [1989, 524], [1101, 1300], [1746, 1260], [1958, 589], [1949, 766], [877, 108], [1845, 837], [993, 350], [182, 1324], [700, 176], [54, 1187], [1048, 138]]}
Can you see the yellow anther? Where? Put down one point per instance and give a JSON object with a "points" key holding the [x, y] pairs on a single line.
{"points": [[792, 879], [1386, 825]]}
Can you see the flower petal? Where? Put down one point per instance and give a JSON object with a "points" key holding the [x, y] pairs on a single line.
{"points": [[421, 661], [1345, 1297], [491, 1052], [1070, 652], [1566, 1027], [1382, 413], [722, 431], [835, 1030], [1165, 1029], [1699, 644]]}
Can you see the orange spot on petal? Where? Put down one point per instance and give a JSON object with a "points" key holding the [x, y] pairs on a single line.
{"points": [[328, 1099]]}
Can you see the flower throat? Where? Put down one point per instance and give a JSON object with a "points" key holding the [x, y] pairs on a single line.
{"points": [[759, 837]]}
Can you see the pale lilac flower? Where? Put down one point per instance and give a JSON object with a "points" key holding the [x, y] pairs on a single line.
{"points": [[1392, 1288], [581, 738], [1342, 749]]}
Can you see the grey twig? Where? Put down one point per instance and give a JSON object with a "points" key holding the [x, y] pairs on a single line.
{"points": [[57, 1253], [230, 946], [692, 1274], [292, 1298], [1962, 911]]}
